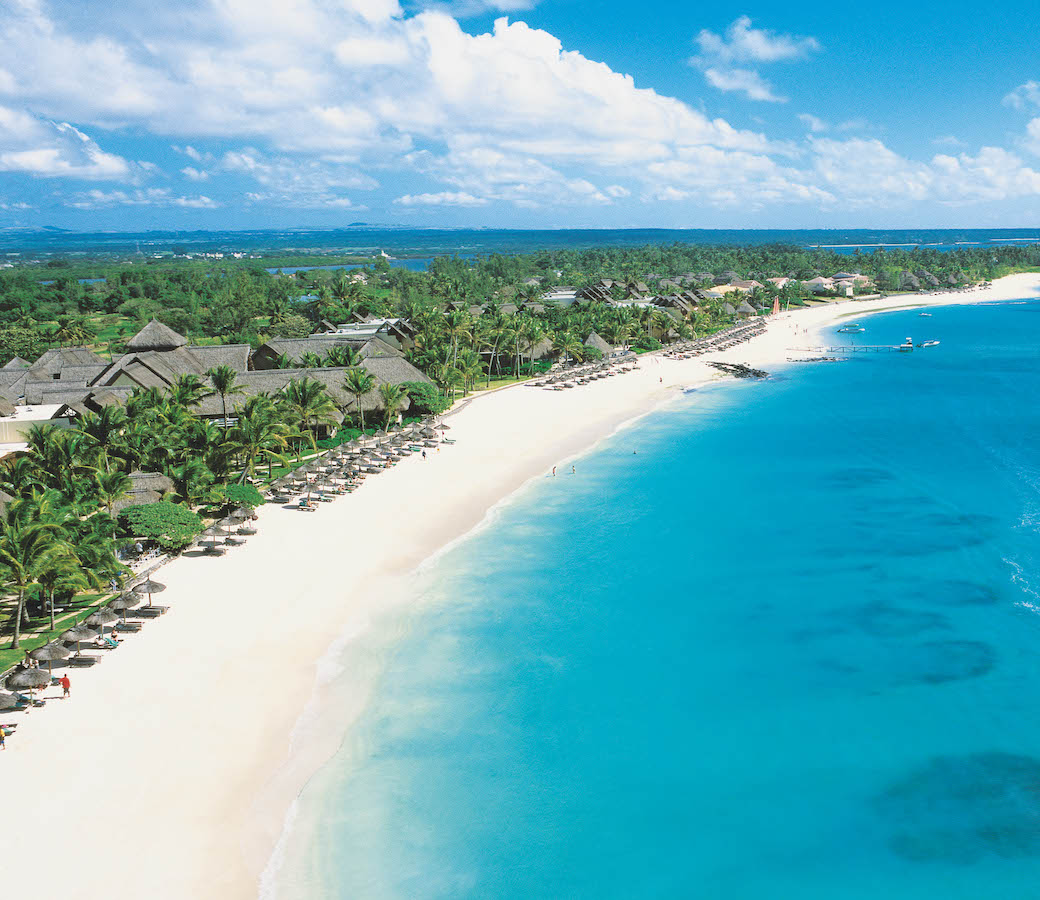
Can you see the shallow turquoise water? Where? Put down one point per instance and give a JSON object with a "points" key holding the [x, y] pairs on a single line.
{"points": [[787, 649]]}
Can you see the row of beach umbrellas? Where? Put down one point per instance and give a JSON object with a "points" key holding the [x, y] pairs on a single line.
{"points": [[26, 678]]}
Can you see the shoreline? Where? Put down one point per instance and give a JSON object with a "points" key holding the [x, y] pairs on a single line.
{"points": [[210, 718]]}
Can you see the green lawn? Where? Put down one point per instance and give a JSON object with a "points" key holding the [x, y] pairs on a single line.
{"points": [[39, 632]]}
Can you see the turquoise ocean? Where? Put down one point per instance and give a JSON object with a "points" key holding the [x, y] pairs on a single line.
{"points": [[789, 648]]}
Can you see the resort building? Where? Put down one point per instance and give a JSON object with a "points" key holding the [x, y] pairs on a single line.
{"points": [[68, 382]]}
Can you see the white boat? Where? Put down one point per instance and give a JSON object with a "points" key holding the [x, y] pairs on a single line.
{"points": [[854, 328], [925, 314], [928, 344]]}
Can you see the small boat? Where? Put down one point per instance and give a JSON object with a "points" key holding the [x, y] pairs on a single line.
{"points": [[851, 329], [925, 314], [907, 346], [928, 344]]}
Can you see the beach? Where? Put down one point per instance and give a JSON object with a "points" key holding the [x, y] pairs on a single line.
{"points": [[170, 770]]}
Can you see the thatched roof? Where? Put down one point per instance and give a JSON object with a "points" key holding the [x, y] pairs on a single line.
{"points": [[145, 487], [745, 308], [156, 336], [17, 363], [596, 342], [294, 349], [6, 407], [728, 309]]}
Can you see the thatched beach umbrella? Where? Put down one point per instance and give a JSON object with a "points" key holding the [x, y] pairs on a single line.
{"points": [[124, 602], [214, 536], [77, 633], [243, 512], [49, 652], [100, 618], [149, 587], [22, 679], [8, 701]]}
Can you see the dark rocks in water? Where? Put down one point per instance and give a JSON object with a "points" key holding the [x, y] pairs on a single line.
{"points": [[937, 662], [961, 809], [738, 370], [884, 620]]}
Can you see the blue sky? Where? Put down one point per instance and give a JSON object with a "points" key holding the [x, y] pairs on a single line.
{"points": [[273, 113]]}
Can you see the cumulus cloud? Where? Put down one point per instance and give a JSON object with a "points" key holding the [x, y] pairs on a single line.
{"points": [[812, 122], [49, 149], [313, 101], [1024, 96], [95, 199], [721, 56], [441, 198]]}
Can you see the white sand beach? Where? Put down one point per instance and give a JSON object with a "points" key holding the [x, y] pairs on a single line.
{"points": [[169, 771]]}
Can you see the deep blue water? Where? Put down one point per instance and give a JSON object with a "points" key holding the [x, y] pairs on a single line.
{"points": [[787, 649], [413, 264], [482, 241]]}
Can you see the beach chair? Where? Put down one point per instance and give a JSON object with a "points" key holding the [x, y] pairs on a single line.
{"points": [[128, 627]]}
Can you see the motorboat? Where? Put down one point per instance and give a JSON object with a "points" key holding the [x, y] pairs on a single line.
{"points": [[928, 344], [929, 315], [907, 346], [854, 328]]}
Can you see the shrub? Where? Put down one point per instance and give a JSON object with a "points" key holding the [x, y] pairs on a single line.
{"points": [[171, 525], [426, 399], [242, 495], [644, 342]]}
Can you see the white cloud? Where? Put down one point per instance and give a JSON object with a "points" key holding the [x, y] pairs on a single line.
{"points": [[947, 140], [309, 99], [742, 43], [1025, 95], [48, 149], [748, 81], [1031, 141], [442, 198], [812, 122], [721, 55], [94, 199]]}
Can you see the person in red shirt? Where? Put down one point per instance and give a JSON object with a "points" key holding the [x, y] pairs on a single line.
{"points": [[65, 685]]}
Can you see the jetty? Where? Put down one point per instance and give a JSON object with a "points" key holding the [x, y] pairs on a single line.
{"points": [[738, 370]]}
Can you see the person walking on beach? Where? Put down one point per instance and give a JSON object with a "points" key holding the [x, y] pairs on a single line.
{"points": [[3, 738], [424, 454], [554, 471], [65, 686], [574, 471]]}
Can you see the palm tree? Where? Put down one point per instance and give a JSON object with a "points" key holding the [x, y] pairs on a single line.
{"points": [[393, 396], [457, 325], [105, 430], [309, 403], [191, 479], [359, 381], [532, 333], [187, 390], [223, 380], [29, 541], [311, 360], [258, 432], [342, 356], [566, 344], [73, 330], [111, 487], [63, 571]]}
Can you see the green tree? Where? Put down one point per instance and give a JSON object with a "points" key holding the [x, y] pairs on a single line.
{"points": [[223, 379], [359, 381], [30, 541], [393, 397]]}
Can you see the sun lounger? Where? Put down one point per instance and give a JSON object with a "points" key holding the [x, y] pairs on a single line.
{"points": [[129, 627], [83, 661]]}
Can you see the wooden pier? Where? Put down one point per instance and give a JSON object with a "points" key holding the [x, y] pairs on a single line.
{"points": [[855, 348]]}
